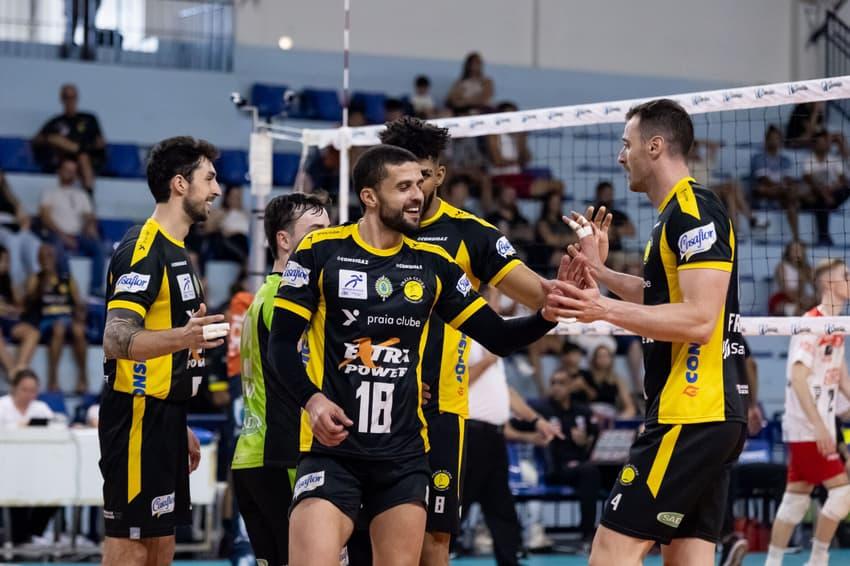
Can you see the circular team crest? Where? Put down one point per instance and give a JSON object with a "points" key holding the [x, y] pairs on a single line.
{"points": [[383, 287], [628, 475], [413, 290], [441, 480]]}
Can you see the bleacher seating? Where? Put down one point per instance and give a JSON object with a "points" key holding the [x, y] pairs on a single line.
{"points": [[372, 104], [123, 160], [232, 166], [285, 169], [16, 155], [320, 104], [268, 99], [55, 400]]}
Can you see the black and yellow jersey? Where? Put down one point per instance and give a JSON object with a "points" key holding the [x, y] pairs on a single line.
{"points": [[692, 383], [369, 312], [486, 256], [151, 274]]}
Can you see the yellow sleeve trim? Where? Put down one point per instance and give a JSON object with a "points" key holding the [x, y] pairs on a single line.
{"points": [[718, 265], [464, 315], [129, 305], [218, 386], [293, 307], [502, 273]]}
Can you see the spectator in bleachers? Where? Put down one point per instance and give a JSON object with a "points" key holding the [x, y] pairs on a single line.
{"points": [[465, 156], [68, 223], [507, 217], [17, 410], [701, 164], [74, 135], [807, 119], [473, 89], [52, 306], [456, 193], [579, 380], [323, 172], [551, 236], [568, 458], [422, 101], [15, 234], [772, 174], [794, 277], [229, 228], [827, 181], [394, 109], [621, 224], [509, 155], [613, 399], [11, 327]]}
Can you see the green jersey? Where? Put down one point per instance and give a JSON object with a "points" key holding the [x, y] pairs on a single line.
{"points": [[271, 423]]}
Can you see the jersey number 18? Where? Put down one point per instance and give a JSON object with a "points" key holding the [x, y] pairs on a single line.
{"points": [[381, 396]]}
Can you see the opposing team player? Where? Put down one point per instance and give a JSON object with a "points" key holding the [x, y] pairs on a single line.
{"points": [[673, 488], [267, 450], [368, 291], [486, 256], [817, 369], [153, 346]]}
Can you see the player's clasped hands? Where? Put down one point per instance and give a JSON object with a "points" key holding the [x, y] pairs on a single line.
{"points": [[327, 420], [194, 329]]}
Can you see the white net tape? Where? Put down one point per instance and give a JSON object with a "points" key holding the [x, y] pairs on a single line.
{"points": [[601, 113], [750, 326]]}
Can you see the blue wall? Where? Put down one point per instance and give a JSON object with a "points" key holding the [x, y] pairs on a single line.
{"points": [[144, 105]]}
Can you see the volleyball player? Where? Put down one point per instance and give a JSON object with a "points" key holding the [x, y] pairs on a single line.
{"points": [[267, 451], [486, 256], [673, 488], [817, 370], [368, 291], [153, 347]]}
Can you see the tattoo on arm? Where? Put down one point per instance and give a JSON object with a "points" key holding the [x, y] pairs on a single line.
{"points": [[122, 326]]}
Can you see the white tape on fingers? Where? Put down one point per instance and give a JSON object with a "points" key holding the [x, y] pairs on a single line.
{"points": [[584, 232], [218, 330], [570, 320]]}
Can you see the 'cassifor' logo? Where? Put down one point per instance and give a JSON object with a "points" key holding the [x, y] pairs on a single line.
{"points": [[697, 241]]}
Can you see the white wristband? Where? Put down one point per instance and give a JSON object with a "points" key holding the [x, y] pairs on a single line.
{"points": [[213, 331]]}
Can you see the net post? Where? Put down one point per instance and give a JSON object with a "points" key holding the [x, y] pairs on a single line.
{"points": [[260, 167]]}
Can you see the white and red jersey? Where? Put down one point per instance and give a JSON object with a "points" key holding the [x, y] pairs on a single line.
{"points": [[823, 355]]}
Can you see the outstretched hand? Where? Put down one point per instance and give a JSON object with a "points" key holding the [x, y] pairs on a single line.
{"points": [[592, 231], [565, 300]]}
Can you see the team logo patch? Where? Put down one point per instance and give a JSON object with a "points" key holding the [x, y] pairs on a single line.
{"points": [[441, 480], [352, 284], [697, 241], [162, 505], [187, 287], [294, 275], [627, 475], [464, 286], [308, 482], [414, 290], [670, 519], [383, 287], [132, 283], [504, 247]]}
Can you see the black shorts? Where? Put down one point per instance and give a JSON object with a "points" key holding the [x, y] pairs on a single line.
{"points": [[676, 482], [447, 436], [264, 495], [367, 487], [144, 459]]}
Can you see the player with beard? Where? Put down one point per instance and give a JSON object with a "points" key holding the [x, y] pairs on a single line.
{"points": [[486, 256], [154, 360], [367, 291]]}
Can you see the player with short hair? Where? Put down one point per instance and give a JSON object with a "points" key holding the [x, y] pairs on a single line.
{"points": [[817, 370], [267, 450], [486, 256], [673, 488], [367, 291], [153, 346]]}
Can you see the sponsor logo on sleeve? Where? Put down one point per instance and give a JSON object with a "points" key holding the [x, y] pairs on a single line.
{"points": [[464, 286], [294, 275], [162, 505], [132, 283], [504, 247], [697, 241], [308, 482]]}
